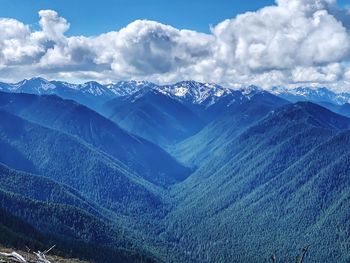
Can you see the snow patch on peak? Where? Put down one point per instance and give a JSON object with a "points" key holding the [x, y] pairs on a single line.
{"points": [[194, 92], [219, 93], [316, 94], [127, 88], [250, 90], [181, 91]]}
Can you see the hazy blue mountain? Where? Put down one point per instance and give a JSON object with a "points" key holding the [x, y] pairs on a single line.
{"points": [[268, 175], [187, 92], [94, 94], [127, 88], [193, 92], [145, 158], [205, 100], [16, 233], [51, 213], [5, 86], [277, 186], [312, 94], [34, 85], [154, 116], [169, 114], [234, 113], [41, 86], [68, 160], [343, 109], [43, 189], [73, 230], [91, 94]]}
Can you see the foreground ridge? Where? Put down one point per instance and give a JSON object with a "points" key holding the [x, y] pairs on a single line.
{"points": [[8, 256]]}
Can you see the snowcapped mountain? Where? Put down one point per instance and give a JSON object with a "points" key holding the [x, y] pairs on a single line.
{"points": [[41, 86], [4, 86], [91, 94], [34, 85], [186, 92], [189, 92], [127, 88], [250, 91], [96, 89], [311, 94], [193, 92], [94, 94]]}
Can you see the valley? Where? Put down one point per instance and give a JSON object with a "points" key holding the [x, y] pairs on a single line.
{"points": [[189, 172]]}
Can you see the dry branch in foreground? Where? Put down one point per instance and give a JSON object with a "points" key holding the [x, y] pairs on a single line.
{"points": [[15, 257]]}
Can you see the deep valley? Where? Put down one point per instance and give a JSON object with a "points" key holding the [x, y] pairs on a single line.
{"points": [[190, 172]]}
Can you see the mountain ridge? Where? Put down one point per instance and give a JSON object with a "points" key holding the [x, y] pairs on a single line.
{"points": [[94, 94], [266, 174], [282, 169], [145, 158]]}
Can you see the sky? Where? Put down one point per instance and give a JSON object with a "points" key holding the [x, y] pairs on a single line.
{"points": [[233, 43], [88, 17]]}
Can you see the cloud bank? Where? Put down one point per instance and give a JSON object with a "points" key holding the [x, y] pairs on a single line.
{"points": [[294, 42]]}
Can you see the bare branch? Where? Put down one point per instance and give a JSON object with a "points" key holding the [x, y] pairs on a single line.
{"points": [[48, 250], [41, 257], [18, 258], [14, 256]]}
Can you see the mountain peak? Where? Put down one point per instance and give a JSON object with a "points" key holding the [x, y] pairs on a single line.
{"points": [[250, 90], [315, 94], [38, 79], [35, 85], [91, 84], [127, 88], [308, 112], [194, 92]]}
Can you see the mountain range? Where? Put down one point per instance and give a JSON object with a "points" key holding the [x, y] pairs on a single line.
{"points": [[265, 202], [94, 94], [189, 172]]}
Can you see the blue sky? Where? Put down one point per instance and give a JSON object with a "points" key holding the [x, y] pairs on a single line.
{"points": [[89, 17], [92, 17]]}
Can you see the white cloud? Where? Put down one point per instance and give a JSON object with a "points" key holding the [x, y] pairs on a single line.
{"points": [[146, 48], [53, 26], [294, 42], [328, 74], [276, 38]]}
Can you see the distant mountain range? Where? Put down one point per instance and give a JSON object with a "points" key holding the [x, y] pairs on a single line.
{"points": [[191, 91], [312, 94], [189, 172], [94, 94]]}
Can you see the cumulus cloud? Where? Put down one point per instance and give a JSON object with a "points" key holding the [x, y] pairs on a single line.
{"points": [[293, 34], [146, 48], [294, 42], [53, 26]]}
